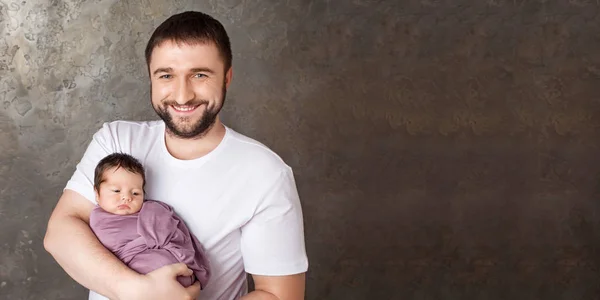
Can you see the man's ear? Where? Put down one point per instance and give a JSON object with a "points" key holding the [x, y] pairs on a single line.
{"points": [[228, 76]]}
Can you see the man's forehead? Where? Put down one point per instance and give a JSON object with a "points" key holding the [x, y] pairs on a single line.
{"points": [[194, 55], [172, 46]]}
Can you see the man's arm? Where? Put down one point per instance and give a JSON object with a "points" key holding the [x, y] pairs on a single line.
{"points": [[74, 246], [277, 288], [273, 243]]}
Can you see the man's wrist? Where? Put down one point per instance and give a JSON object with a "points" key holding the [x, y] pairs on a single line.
{"points": [[128, 281]]}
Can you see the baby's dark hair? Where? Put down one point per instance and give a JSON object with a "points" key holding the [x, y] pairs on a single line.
{"points": [[118, 160]]}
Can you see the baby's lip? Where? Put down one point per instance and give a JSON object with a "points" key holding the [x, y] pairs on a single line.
{"points": [[123, 206]]}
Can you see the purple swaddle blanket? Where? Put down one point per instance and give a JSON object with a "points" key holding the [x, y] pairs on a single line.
{"points": [[151, 238]]}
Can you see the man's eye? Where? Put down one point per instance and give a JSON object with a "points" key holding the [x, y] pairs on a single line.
{"points": [[200, 75], [166, 76]]}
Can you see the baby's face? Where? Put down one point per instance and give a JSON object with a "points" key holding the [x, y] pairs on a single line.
{"points": [[121, 192]]}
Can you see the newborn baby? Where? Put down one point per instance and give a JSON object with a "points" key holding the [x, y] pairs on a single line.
{"points": [[144, 234]]}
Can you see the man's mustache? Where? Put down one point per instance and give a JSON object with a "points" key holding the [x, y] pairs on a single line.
{"points": [[189, 103]]}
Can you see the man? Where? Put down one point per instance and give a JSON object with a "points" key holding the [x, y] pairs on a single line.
{"points": [[237, 196]]}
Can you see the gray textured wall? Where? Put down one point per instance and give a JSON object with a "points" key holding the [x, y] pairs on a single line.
{"points": [[443, 149]]}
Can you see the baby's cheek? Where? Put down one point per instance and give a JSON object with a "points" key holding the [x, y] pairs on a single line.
{"points": [[138, 206]]}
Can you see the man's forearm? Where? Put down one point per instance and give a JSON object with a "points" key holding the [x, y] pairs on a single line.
{"points": [[77, 250], [289, 287]]}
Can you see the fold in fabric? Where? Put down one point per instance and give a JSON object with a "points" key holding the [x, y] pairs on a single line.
{"points": [[152, 238]]}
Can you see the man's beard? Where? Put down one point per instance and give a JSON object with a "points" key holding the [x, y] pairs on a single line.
{"points": [[191, 130]]}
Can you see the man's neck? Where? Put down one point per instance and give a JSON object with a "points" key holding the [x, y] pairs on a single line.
{"points": [[186, 149]]}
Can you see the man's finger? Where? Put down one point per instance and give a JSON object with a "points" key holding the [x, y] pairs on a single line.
{"points": [[181, 269], [194, 289]]}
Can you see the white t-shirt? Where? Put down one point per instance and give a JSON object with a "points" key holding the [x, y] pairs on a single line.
{"points": [[240, 201]]}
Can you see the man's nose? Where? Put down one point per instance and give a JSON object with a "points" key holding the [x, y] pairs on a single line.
{"points": [[185, 92]]}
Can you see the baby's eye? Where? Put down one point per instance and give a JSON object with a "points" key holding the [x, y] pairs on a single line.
{"points": [[116, 191], [136, 194]]}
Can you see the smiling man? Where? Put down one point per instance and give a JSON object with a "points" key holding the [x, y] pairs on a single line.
{"points": [[236, 195]]}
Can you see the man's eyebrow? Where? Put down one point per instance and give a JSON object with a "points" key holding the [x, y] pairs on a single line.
{"points": [[192, 70], [204, 70], [162, 70]]}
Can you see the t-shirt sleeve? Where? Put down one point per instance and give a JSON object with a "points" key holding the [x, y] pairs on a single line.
{"points": [[82, 180], [273, 240]]}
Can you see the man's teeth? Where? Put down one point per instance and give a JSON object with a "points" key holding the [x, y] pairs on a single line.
{"points": [[184, 108]]}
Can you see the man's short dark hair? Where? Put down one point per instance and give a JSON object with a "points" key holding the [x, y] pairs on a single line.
{"points": [[191, 27], [117, 160]]}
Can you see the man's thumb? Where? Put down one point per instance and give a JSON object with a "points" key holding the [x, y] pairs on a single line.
{"points": [[181, 269]]}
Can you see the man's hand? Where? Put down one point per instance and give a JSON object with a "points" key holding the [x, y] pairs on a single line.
{"points": [[160, 284]]}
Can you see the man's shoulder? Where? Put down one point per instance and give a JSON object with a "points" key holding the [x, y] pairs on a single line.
{"points": [[253, 152], [126, 125], [125, 130]]}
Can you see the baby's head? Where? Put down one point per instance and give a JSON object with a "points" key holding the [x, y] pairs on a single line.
{"points": [[119, 182]]}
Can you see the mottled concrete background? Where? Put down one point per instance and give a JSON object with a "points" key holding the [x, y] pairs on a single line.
{"points": [[443, 149]]}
